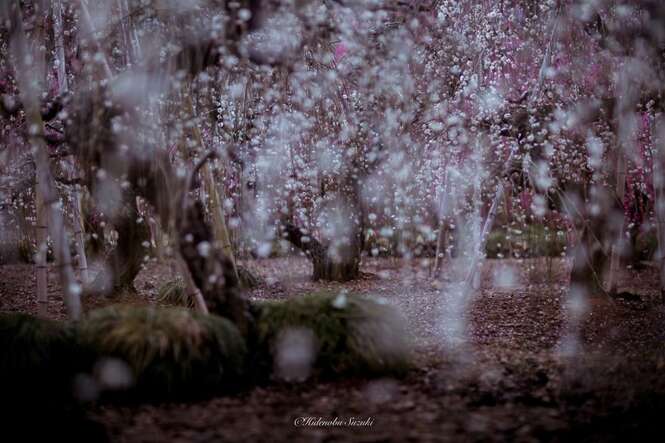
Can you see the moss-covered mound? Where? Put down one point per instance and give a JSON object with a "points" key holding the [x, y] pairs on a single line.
{"points": [[37, 357], [174, 293], [328, 335], [170, 351]]}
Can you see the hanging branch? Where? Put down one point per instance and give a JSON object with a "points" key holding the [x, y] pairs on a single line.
{"points": [[533, 96], [93, 32]]}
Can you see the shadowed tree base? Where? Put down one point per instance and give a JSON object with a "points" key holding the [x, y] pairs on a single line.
{"points": [[125, 260], [324, 267], [589, 264]]}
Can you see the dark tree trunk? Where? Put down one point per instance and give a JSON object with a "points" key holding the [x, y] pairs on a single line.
{"points": [[128, 255], [212, 271], [595, 238], [589, 262], [330, 270], [124, 262], [152, 177], [95, 230], [342, 267]]}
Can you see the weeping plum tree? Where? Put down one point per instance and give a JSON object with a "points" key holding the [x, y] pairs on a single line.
{"points": [[629, 98], [574, 142], [121, 156], [92, 122]]}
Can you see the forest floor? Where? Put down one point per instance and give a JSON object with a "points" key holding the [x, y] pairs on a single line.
{"points": [[512, 374]]}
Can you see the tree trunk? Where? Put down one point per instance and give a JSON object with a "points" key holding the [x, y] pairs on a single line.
{"points": [[92, 220], [442, 237], [211, 271], [217, 217], [130, 251], [79, 234], [661, 243], [126, 258], [588, 263], [218, 221], [337, 258], [326, 266], [47, 199], [63, 87], [59, 47], [441, 245], [618, 246], [473, 277], [190, 288], [659, 191], [77, 219], [589, 258], [330, 270], [41, 269], [155, 179]]}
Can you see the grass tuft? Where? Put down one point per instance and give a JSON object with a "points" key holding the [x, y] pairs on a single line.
{"points": [[170, 351], [174, 293]]}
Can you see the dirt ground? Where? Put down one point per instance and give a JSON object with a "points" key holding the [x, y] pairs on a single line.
{"points": [[512, 371]]}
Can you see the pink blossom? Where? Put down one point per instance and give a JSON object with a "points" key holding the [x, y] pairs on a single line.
{"points": [[340, 51]]}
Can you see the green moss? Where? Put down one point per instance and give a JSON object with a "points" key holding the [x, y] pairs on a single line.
{"points": [[37, 357], [171, 351], [352, 334]]}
